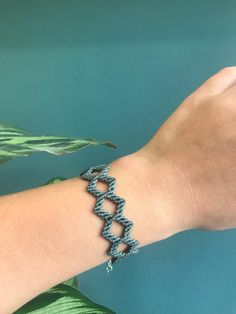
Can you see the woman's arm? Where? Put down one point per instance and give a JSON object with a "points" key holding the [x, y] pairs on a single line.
{"points": [[183, 178], [49, 234]]}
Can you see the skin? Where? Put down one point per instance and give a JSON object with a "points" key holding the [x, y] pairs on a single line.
{"points": [[184, 177], [198, 142]]}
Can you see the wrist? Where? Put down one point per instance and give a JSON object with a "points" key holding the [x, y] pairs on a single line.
{"points": [[171, 188], [149, 203]]}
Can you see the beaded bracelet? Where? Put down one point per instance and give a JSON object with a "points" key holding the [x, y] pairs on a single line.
{"points": [[101, 175]]}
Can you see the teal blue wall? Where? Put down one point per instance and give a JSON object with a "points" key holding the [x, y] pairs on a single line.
{"points": [[116, 70]]}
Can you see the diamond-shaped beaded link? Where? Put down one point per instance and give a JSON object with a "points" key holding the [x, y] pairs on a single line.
{"points": [[102, 176]]}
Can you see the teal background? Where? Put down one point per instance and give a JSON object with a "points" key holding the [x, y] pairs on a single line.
{"points": [[116, 70]]}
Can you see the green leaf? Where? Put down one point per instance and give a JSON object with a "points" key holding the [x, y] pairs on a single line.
{"points": [[16, 142], [62, 299], [72, 282], [55, 180]]}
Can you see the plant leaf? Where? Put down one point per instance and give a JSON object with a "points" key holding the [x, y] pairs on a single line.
{"points": [[72, 282], [62, 299], [15, 142], [55, 180]]}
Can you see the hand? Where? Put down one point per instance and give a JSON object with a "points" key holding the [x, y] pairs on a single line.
{"points": [[191, 160]]}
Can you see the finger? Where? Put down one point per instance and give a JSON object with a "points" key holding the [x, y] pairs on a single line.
{"points": [[219, 82]]}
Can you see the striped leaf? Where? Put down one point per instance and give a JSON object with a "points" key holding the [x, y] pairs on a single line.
{"points": [[65, 300], [16, 142]]}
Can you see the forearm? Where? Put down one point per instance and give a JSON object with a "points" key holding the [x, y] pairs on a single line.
{"points": [[50, 233]]}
